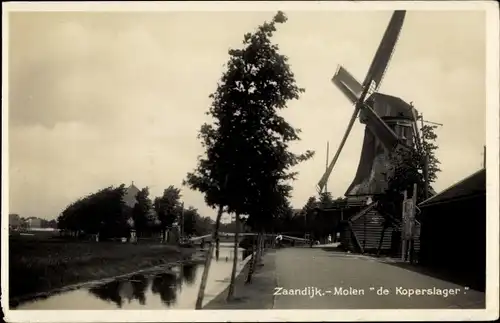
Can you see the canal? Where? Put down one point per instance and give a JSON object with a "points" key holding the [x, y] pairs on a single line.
{"points": [[172, 286]]}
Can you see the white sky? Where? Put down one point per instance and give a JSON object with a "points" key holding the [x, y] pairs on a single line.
{"points": [[98, 99]]}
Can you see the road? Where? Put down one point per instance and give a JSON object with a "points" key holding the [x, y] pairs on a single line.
{"points": [[299, 268]]}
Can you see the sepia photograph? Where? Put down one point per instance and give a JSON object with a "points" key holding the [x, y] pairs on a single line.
{"points": [[214, 159]]}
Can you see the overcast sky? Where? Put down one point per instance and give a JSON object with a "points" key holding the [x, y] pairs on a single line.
{"points": [[99, 99]]}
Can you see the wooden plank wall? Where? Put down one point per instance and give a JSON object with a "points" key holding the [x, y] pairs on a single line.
{"points": [[368, 230]]}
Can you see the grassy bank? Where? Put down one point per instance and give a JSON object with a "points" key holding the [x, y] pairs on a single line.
{"points": [[38, 266]]}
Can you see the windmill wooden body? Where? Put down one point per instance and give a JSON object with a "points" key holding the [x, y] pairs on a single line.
{"points": [[391, 124]]}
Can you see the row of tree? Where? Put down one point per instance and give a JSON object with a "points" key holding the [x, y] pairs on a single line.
{"points": [[308, 220], [105, 213], [247, 166]]}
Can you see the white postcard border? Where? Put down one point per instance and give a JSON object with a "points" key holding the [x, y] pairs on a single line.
{"points": [[492, 140]]}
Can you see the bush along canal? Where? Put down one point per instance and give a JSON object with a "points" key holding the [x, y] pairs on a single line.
{"points": [[173, 286]]}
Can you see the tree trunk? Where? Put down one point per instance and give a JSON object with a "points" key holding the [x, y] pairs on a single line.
{"points": [[257, 250], [235, 258], [260, 249], [253, 260], [208, 260], [217, 246], [251, 267]]}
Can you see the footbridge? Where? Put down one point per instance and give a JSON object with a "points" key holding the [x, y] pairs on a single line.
{"points": [[229, 237]]}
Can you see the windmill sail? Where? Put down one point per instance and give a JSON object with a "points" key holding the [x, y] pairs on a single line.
{"points": [[347, 84], [385, 50], [326, 175]]}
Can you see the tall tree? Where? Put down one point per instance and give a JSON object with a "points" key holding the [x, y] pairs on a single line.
{"points": [[407, 168], [203, 226], [246, 147], [265, 85], [168, 208], [309, 212], [141, 211], [428, 150], [325, 200], [310, 205], [191, 218], [101, 212]]}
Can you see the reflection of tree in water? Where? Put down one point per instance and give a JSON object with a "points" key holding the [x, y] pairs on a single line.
{"points": [[246, 253], [109, 292], [139, 285], [165, 284], [189, 273]]}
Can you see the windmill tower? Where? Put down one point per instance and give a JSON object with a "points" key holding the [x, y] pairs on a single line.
{"points": [[390, 124]]}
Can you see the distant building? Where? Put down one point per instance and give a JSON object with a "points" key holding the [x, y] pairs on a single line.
{"points": [[14, 221], [130, 196], [34, 223]]}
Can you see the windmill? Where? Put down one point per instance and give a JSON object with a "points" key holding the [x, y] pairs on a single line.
{"points": [[391, 123]]}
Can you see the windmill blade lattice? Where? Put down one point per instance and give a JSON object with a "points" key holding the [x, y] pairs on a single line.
{"points": [[357, 93]]}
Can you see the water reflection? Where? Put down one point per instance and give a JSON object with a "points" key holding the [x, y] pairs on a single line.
{"points": [[174, 286], [189, 273], [165, 284], [139, 285], [108, 292]]}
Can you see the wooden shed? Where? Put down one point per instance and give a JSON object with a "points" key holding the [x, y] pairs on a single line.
{"points": [[358, 223], [453, 230], [362, 228]]}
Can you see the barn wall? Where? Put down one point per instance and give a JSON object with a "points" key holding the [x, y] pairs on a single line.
{"points": [[453, 237]]}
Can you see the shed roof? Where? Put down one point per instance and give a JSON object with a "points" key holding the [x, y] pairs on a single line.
{"points": [[471, 185]]}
